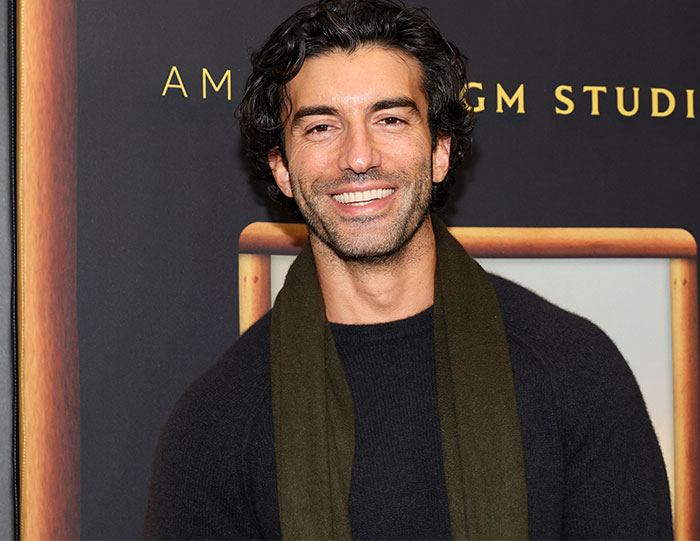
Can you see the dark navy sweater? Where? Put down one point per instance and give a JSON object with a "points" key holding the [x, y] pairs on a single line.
{"points": [[593, 465]]}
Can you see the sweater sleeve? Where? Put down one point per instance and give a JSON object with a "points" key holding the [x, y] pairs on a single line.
{"points": [[616, 485], [197, 490], [592, 457], [214, 458]]}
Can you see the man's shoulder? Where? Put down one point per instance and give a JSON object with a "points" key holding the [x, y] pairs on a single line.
{"points": [[212, 441], [565, 360], [231, 391], [242, 364], [546, 330], [569, 354], [529, 315]]}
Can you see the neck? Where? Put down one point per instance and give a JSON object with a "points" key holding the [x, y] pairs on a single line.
{"points": [[357, 292]]}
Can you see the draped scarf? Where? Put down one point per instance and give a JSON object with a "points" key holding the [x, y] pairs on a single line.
{"points": [[313, 417]]}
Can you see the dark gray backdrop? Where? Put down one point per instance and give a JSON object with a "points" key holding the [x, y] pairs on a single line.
{"points": [[163, 192]]}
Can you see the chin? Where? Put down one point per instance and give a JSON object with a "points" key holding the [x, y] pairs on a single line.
{"points": [[393, 244]]}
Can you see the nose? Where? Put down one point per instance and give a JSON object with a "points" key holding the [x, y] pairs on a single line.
{"points": [[360, 152]]}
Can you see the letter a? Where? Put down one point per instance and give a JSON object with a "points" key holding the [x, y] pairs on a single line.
{"points": [[169, 84]]}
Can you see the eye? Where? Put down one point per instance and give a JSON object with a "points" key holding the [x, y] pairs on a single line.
{"points": [[318, 128], [392, 121]]}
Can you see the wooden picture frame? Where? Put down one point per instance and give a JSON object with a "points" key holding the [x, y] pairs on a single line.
{"points": [[46, 238]]}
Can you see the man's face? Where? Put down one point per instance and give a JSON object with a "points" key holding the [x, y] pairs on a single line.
{"points": [[360, 163]]}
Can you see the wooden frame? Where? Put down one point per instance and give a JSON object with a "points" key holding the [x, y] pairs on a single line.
{"points": [[259, 240], [47, 330]]}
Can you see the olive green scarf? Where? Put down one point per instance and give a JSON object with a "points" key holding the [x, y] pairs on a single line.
{"points": [[313, 409]]}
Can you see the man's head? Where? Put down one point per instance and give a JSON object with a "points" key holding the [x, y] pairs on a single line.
{"points": [[346, 26]]}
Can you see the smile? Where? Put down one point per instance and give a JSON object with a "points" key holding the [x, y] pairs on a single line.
{"points": [[357, 199]]}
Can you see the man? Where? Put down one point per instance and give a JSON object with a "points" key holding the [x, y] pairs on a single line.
{"points": [[396, 390]]}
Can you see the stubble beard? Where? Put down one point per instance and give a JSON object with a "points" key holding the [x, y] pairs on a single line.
{"points": [[388, 242]]}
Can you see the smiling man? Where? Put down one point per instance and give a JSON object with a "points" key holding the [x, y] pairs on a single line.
{"points": [[396, 390]]}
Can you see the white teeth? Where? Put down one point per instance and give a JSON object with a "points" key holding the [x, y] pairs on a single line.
{"points": [[362, 198]]}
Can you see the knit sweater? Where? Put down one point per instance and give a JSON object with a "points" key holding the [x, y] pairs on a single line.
{"points": [[592, 462]]}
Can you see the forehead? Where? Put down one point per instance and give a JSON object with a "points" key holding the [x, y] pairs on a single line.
{"points": [[359, 78]]}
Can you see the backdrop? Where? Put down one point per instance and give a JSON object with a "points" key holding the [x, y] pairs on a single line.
{"points": [[586, 117]]}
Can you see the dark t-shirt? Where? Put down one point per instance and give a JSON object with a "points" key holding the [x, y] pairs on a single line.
{"points": [[592, 462]]}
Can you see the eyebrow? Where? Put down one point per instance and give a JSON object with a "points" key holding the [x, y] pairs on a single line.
{"points": [[313, 110], [395, 103], [391, 103]]}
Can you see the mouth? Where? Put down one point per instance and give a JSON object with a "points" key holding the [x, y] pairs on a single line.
{"points": [[358, 199]]}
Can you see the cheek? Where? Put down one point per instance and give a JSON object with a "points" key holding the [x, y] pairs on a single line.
{"points": [[311, 161], [401, 151]]}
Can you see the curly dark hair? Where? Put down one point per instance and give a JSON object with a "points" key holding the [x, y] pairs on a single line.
{"points": [[346, 25]]}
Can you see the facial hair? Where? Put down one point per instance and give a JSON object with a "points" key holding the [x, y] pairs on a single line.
{"points": [[370, 239]]}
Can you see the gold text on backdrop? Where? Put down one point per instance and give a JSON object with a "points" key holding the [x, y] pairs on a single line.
{"points": [[661, 102]]}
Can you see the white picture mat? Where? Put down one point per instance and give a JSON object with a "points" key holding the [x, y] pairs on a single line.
{"points": [[628, 298]]}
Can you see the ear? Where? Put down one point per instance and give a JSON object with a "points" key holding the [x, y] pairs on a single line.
{"points": [[280, 171], [441, 158]]}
